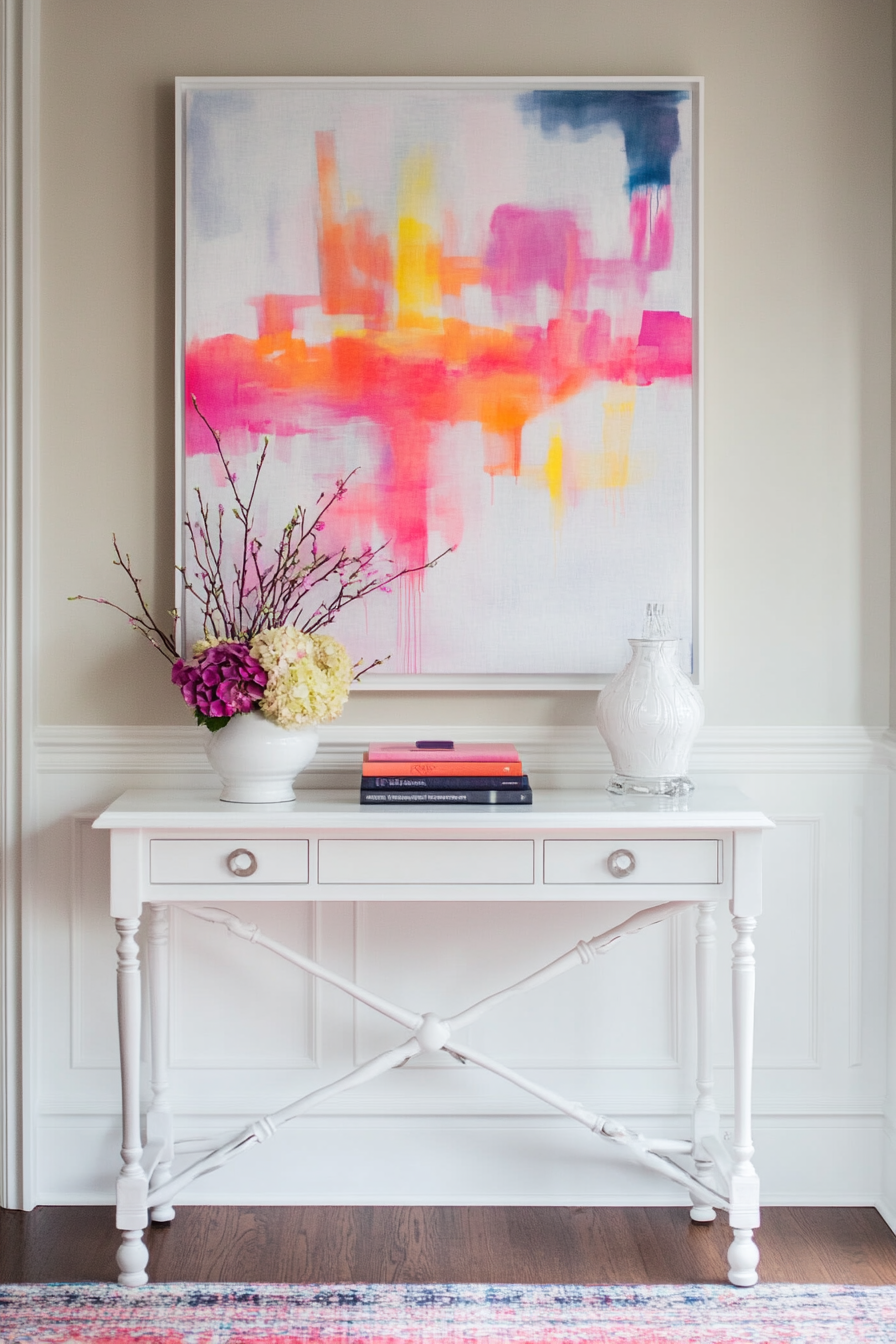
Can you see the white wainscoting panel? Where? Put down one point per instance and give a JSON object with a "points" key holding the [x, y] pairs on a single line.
{"points": [[786, 952], [620, 1012], [93, 940], [250, 1033], [886, 1008], [234, 1005]]}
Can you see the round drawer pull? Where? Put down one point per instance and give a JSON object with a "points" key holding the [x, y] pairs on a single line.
{"points": [[242, 863], [621, 863]]}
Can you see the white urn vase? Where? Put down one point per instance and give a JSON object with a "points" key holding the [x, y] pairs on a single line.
{"points": [[258, 760], [649, 716]]}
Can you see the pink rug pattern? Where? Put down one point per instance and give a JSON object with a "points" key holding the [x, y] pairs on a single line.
{"points": [[239, 1313]]}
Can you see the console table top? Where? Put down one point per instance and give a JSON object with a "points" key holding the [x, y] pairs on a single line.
{"points": [[142, 809]]}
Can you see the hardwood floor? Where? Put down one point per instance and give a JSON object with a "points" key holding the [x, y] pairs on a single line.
{"points": [[443, 1245]]}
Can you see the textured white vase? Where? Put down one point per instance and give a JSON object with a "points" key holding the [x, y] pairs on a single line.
{"points": [[257, 760], [649, 716]]}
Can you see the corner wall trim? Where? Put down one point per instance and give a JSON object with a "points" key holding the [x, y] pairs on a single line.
{"points": [[10, 503], [19, 54]]}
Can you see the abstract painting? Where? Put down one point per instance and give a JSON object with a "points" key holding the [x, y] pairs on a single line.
{"points": [[481, 298]]}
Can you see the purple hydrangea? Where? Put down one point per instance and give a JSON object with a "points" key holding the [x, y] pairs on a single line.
{"points": [[222, 681]]}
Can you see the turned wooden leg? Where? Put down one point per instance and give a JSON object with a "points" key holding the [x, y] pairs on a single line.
{"points": [[131, 1189], [706, 1115], [159, 1120], [743, 1253]]}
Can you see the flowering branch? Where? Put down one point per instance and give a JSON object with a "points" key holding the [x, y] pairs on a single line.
{"points": [[145, 623], [251, 611], [263, 595]]}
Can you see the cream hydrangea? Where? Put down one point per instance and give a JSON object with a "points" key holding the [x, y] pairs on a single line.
{"points": [[308, 676], [212, 642]]}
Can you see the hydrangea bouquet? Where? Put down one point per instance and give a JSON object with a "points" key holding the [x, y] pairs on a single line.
{"points": [[264, 613]]}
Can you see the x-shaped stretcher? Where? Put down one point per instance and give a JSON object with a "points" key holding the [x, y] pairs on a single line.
{"points": [[714, 1179]]}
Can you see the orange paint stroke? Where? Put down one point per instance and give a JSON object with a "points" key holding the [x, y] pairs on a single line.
{"points": [[355, 265]]}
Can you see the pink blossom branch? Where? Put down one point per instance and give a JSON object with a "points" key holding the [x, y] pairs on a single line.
{"points": [[144, 624], [263, 594]]}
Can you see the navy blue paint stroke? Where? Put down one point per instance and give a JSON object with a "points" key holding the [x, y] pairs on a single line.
{"points": [[648, 119]]}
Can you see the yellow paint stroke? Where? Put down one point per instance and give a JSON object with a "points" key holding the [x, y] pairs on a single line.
{"points": [[594, 471], [614, 469], [553, 475], [614, 461], [418, 253]]}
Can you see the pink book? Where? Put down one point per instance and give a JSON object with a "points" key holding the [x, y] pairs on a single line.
{"points": [[460, 751]]}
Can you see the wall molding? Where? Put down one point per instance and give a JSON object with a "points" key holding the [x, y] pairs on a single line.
{"points": [[524, 1062], [78, 766], [246, 1105], [19, 71], [10, 503], [887, 1211], [886, 1204], [79, 1052], [569, 752], [888, 746], [31, 757], [304, 1001], [306, 1163], [813, 824]]}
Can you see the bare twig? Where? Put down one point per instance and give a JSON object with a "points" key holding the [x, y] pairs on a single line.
{"points": [[263, 593]]}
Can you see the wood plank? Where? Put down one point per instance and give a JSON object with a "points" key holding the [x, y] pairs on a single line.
{"points": [[444, 1245]]}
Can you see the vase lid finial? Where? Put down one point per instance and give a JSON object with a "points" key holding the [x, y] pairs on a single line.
{"points": [[656, 623]]}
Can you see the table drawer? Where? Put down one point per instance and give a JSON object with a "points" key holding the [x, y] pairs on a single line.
{"points": [[658, 862], [183, 862], [412, 862]]}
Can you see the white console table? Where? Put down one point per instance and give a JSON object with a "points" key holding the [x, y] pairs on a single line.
{"points": [[663, 854]]}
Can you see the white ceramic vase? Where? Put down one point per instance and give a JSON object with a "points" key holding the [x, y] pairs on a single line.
{"points": [[257, 760], [649, 716]]}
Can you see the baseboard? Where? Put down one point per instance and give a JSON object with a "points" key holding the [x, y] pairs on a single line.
{"points": [[440, 1161], [886, 1201], [887, 1210]]}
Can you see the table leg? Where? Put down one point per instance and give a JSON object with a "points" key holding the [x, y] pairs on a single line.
{"points": [[706, 1114], [131, 1188], [743, 1253], [159, 1120]]}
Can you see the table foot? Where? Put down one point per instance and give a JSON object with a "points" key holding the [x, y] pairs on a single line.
{"points": [[700, 1211], [743, 1257], [161, 1214], [132, 1258]]}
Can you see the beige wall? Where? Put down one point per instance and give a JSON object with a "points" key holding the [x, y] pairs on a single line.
{"points": [[797, 272]]}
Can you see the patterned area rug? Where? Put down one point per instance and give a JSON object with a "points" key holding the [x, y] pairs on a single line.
{"points": [[235, 1313]]}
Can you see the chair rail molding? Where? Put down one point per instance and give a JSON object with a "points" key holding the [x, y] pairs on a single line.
{"points": [[548, 751]]}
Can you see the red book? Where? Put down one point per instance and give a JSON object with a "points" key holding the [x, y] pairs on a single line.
{"points": [[406, 752], [440, 767]]}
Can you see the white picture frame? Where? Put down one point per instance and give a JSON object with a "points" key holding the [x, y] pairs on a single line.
{"points": [[258, 117]]}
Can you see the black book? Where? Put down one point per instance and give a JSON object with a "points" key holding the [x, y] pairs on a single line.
{"points": [[441, 783], [454, 796]]}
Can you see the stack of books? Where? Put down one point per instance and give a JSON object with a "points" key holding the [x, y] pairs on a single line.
{"points": [[443, 772]]}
